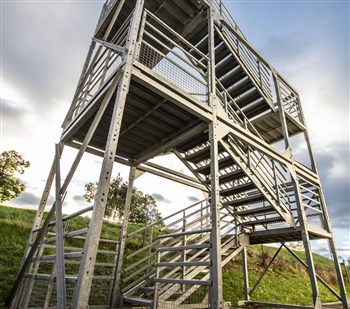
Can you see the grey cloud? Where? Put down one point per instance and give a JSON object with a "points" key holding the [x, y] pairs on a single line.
{"points": [[10, 109], [34, 56], [78, 198], [12, 117], [26, 199], [193, 199], [336, 189], [160, 198]]}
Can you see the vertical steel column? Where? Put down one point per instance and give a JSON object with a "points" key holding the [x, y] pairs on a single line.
{"points": [[216, 295], [326, 219], [116, 293], [301, 211], [245, 274], [60, 271], [83, 286], [334, 252]]}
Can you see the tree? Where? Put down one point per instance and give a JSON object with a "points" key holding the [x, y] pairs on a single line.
{"points": [[11, 163], [143, 206]]}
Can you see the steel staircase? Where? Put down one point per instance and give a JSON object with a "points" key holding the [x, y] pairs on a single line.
{"points": [[175, 267], [247, 179], [147, 89]]}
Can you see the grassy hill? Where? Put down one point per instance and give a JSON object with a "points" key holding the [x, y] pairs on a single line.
{"points": [[285, 282]]}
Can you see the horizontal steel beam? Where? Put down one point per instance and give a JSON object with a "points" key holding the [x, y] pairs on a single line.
{"points": [[179, 281]]}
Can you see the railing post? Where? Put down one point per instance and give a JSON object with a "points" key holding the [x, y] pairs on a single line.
{"points": [[184, 243], [108, 58], [156, 284], [276, 182], [259, 74]]}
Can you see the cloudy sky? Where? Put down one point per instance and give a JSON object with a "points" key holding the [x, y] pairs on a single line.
{"points": [[44, 44]]}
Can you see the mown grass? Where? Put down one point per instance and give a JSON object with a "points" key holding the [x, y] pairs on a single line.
{"points": [[15, 226], [286, 282]]}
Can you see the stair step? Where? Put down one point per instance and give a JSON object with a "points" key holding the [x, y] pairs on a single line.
{"points": [[147, 288], [237, 189], [182, 264], [231, 76], [240, 87], [263, 221], [224, 162], [246, 200], [180, 281], [248, 97], [225, 65], [256, 107], [138, 301], [221, 51], [255, 211], [231, 176], [180, 248], [238, 174], [199, 155]]}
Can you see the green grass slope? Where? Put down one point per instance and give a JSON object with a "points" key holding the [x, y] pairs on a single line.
{"points": [[285, 282]]}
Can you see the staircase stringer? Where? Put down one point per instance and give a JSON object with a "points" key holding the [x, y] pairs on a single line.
{"points": [[259, 182]]}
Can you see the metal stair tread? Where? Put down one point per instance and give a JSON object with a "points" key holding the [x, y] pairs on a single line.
{"points": [[237, 189], [237, 174], [138, 300], [255, 211], [264, 221], [246, 200], [224, 162], [223, 66], [200, 155]]}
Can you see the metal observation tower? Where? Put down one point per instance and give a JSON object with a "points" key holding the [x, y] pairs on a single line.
{"points": [[177, 76]]}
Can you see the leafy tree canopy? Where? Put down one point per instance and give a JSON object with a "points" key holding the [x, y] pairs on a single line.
{"points": [[11, 163], [143, 206]]}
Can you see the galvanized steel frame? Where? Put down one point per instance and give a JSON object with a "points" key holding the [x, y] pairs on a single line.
{"points": [[219, 125]]}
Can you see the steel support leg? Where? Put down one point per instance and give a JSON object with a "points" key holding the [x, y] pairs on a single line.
{"points": [[117, 297], [60, 271], [83, 286], [216, 293], [326, 220], [245, 274], [299, 202]]}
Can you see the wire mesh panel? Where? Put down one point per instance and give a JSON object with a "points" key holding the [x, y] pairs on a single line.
{"points": [[173, 61], [187, 297], [69, 295], [175, 71], [38, 294]]}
